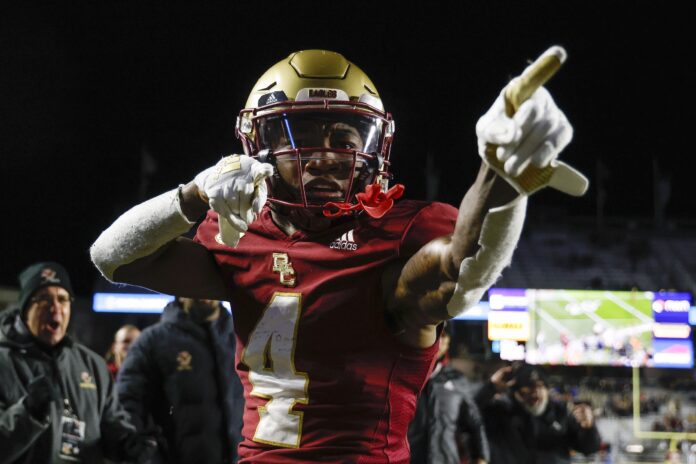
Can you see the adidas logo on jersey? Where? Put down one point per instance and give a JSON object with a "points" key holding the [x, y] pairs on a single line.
{"points": [[345, 242]]}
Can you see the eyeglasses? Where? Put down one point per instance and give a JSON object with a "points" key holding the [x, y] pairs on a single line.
{"points": [[46, 301]]}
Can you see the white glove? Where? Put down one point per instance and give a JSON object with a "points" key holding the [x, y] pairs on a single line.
{"points": [[236, 190], [534, 135]]}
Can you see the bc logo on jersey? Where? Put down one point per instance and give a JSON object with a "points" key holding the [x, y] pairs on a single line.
{"points": [[283, 266]]}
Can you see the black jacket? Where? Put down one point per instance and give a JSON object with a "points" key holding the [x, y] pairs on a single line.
{"points": [[517, 437], [181, 375], [445, 415], [79, 375]]}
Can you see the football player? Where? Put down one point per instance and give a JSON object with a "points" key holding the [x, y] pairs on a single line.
{"points": [[338, 288]]}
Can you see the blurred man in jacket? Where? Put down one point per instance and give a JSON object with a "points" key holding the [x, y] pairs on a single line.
{"points": [[179, 376], [447, 427], [525, 426]]}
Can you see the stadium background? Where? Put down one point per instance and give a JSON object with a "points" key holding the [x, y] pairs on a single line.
{"points": [[109, 103]]}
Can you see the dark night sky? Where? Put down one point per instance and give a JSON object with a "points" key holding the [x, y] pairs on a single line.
{"points": [[86, 89]]}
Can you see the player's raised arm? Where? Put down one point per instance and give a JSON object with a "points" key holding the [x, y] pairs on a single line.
{"points": [[144, 245], [519, 139]]}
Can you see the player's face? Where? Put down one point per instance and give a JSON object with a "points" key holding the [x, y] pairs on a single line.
{"points": [[326, 175], [48, 314]]}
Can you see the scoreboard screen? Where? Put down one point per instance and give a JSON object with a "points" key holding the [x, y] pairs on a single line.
{"points": [[595, 327]]}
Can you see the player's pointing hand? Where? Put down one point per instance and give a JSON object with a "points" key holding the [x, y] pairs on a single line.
{"points": [[535, 134]]}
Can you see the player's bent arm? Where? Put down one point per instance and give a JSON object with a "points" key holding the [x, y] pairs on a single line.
{"points": [[182, 267], [427, 281], [143, 247]]}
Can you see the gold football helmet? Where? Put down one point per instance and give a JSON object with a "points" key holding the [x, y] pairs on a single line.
{"points": [[319, 120]]}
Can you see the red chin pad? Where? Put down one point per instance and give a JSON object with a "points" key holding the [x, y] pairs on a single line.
{"points": [[373, 201]]}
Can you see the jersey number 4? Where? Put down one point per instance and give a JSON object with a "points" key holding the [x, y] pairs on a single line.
{"points": [[270, 358]]}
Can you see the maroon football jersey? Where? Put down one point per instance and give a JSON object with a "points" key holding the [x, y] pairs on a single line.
{"points": [[323, 377]]}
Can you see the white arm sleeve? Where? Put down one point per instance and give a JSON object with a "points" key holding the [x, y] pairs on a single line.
{"points": [[139, 232], [500, 233]]}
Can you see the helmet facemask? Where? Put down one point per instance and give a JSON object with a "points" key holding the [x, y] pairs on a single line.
{"points": [[324, 152]]}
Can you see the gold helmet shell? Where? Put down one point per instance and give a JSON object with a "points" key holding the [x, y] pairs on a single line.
{"points": [[314, 69]]}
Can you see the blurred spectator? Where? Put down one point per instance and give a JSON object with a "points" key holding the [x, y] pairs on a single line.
{"points": [[123, 339], [524, 426], [179, 377], [56, 396], [671, 420], [621, 404], [447, 427]]}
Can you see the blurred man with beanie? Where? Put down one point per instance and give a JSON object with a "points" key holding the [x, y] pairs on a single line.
{"points": [[40, 284], [57, 400], [525, 426]]}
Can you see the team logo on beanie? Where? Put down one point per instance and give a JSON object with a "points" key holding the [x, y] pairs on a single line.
{"points": [[40, 275], [49, 275]]}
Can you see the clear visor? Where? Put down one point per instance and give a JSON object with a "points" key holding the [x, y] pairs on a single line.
{"points": [[321, 156], [329, 129]]}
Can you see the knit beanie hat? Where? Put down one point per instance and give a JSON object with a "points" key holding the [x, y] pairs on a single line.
{"points": [[527, 375], [41, 275]]}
